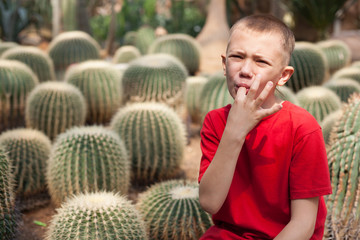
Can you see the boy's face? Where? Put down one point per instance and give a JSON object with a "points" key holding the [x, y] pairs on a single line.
{"points": [[251, 53]]}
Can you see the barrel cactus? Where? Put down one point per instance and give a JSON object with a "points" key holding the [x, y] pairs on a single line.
{"points": [[356, 64], [9, 216], [7, 45], [157, 78], [39, 61], [285, 93], [155, 138], [172, 211], [343, 87], [145, 36], [92, 216], [214, 94], [16, 82], [126, 54], [194, 86], [347, 72], [87, 159], [130, 38], [319, 101], [53, 107], [328, 123], [72, 47], [182, 46], [28, 150], [337, 53], [100, 83], [310, 66]]}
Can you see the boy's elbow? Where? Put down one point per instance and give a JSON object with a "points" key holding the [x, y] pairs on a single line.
{"points": [[207, 205]]}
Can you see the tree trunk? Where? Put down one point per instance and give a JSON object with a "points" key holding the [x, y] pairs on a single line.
{"points": [[55, 4], [112, 30]]}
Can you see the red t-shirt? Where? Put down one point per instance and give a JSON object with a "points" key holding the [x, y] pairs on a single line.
{"points": [[282, 158]]}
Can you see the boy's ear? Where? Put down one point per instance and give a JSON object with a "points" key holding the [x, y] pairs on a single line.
{"points": [[285, 75], [223, 59]]}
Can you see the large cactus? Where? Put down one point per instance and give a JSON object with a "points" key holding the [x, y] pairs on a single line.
{"points": [[7, 45], [94, 216], [72, 47], [337, 53], [155, 137], [310, 66], [28, 150], [16, 81], [285, 93], [194, 86], [53, 107], [319, 101], [182, 46], [126, 54], [87, 159], [100, 83], [343, 87], [145, 36], [39, 61], [347, 72], [172, 211], [214, 94], [328, 123], [9, 216], [157, 78]]}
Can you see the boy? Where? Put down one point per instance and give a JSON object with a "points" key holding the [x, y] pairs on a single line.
{"points": [[264, 168]]}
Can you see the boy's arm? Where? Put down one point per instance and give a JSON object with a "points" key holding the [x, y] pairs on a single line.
{"points": [[244, 114], [303, 219]]}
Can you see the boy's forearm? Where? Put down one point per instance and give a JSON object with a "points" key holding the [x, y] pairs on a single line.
{"points": [[296, 231]]}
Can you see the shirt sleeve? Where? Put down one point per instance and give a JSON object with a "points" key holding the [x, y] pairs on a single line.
{"points": [[309, 171]]}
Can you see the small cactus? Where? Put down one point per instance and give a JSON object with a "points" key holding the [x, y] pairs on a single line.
{"points": [[39, 61], [28, 150], [172, 211], [343, 87], [347, 72], [7, 45], [101, 215], [310, 66], [328, 123], [16, 82], [337, 53], [130, 38], [182, 46], [145, 36], [100, 83], [285, 93], [126, 54], [155, 138], [53, 107], [87, 159], [194, 86], [72, 47], [319, 101]]}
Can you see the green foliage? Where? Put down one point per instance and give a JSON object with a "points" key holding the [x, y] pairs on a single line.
{"points": [[172, 210], [194, 86], [100, 215], [53, 107], [16, 82], [100, 83], [343, 87], [87, 159], [39, 61], [28, 150], [155, 138], [126, 54]]}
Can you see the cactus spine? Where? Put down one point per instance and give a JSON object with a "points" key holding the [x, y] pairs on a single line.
{"points": [[100, 83], [126, 54], [155, 137], [87, 159], [100, 215], [328, 123], [337, 53], [172, 211], [53, 107]]}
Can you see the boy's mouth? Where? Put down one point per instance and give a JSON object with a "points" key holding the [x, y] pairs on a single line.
{"points": [[242, 85]]}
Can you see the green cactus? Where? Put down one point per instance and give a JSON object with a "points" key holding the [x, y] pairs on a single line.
{"points": [[182, 46], [29, 150], [16, 81], [172, 211], [100, 83], [130, 38], [145, 36], [347, 72], [337, 53], [92, 216], [155, 138], [194, 86], [87, 159], [285, 93], [310, 66], [39, 61], [69, 11], [126, 54], [53, 107], [343, 87], [328, 123], [7, 45], [157, 78], [319, 101], [9, 216], [214, 94], [72, 47], [356, 64]]}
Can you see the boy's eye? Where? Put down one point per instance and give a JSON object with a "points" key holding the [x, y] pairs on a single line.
{"points": [[262, 62]]}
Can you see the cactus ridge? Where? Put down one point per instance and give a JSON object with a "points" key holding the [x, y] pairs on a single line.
{"points": [[100, 215], [100, 83], [343, 87], [145, 36], [16, 82], [155, 138], [337, 53], [53, 107], [4, 46], [285, 93], [328, 123], [347, 72], [39, 61], [172, 210], [194, 86], [126, 54]]}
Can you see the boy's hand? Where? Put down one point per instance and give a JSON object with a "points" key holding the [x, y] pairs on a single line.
{"points": [[246, 111]]}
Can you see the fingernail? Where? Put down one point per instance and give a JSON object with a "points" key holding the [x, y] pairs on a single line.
{"points": [[270, 84]]}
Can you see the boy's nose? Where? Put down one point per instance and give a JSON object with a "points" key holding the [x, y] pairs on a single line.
{"points": [[246, 70]]}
